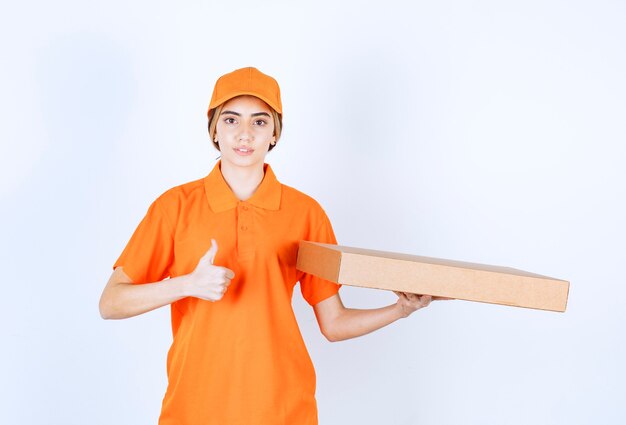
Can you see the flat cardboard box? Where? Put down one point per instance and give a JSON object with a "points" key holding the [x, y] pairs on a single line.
{"points": [[432, 276]]}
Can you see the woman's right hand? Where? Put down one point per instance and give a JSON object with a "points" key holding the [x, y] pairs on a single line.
{"points": [[121, 298], [207, 281]]}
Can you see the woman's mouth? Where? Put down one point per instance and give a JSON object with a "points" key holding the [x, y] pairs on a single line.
{"points": [[243, 151]]}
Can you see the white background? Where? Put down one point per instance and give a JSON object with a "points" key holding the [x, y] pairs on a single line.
{"points": [[489, 131]]}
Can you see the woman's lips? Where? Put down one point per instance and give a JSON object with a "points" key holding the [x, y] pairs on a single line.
{"points": [[243, 151]]}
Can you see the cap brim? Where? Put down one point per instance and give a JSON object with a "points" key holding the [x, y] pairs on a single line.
{"points": [[217, 102]]}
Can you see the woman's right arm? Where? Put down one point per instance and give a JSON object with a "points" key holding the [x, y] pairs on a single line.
{"points": [[121, 298]]}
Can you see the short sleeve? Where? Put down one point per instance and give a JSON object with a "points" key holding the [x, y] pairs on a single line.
{"points": [[315, 289], [150, 251]]}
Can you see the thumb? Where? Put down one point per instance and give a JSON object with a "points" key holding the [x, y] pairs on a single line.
{"points": [[210, 254], [400, 294]]}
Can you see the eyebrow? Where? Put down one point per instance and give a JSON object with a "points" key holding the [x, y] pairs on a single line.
{"points": [[256, 114]]}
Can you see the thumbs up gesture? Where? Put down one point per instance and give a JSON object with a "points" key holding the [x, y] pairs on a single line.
{"points": [[207, 281]]}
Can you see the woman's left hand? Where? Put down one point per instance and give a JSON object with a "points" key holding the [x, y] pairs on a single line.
{"points": [[409, 303]]}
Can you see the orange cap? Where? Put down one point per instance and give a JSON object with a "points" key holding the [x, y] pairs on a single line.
{"points": [[246, 81]]}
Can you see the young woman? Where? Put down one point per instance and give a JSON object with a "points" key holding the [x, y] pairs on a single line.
{"points": [[228, 244]]}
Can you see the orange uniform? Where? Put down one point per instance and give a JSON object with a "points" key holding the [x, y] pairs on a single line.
{"points": [[240, 360]]}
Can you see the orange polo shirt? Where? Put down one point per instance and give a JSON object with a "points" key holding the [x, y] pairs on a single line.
{"points": [[240, 360]]}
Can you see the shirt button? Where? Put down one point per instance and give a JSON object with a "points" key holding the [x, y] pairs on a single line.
{"points": [[245, 208], [244, 228]]}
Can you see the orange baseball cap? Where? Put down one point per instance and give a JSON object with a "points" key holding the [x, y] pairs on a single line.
{"points": [[246, 81]]}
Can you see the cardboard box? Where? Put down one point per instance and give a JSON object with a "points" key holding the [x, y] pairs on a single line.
{"points": [[432, 276]]}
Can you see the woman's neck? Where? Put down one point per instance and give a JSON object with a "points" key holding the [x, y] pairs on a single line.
{"points": [[243, 181]]}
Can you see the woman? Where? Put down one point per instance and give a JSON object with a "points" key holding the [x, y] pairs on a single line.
{"points": [[228, 244]]}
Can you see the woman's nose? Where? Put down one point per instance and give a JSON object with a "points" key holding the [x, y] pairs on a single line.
{"points": [[245, 135]]}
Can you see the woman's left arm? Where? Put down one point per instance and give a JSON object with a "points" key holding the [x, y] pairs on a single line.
{"points": [[338, 323]]}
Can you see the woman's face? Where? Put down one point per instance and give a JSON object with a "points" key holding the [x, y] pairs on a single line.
{"points": [[244, 131]]}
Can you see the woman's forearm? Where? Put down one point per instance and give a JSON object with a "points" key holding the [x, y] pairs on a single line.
{"points": [[352, 323], [122, 299], [338, 323]]}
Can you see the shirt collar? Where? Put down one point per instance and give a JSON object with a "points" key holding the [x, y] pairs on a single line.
{"points": [[222, 198]]}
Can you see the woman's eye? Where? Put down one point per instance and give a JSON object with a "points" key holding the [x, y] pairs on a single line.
{"points": [[260, 122], [229, 120]]}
